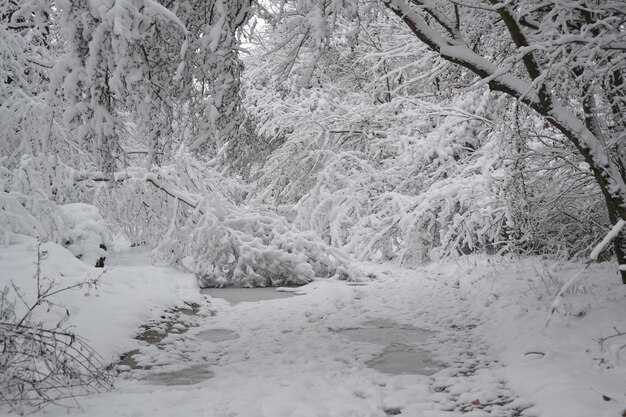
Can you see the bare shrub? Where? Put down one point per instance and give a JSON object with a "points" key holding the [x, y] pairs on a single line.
{"points": [[41, 364]]}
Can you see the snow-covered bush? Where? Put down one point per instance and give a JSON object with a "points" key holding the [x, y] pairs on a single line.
{"points": [[245, 247], [27, 193], [367, 165], [226, 244], [87, 235], [14, 218], [550, 191], [143, 212], [42, 359], [32, 205], [400, 179]]}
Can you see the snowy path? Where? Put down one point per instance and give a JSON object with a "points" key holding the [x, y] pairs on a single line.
{"points": [[288, 359]]}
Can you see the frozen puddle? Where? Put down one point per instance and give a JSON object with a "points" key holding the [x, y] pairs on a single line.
{"points": [[217, 335], [403, 359], [186, 376], [384, 332], [244, 295], [400, 355]]}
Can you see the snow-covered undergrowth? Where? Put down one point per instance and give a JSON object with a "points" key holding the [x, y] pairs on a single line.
{"points": [[87, 237], [210, 233], [63, 322], [246, 247], [382, 183], [78, 226], [46, 199], [191, 215], [108, 314]]}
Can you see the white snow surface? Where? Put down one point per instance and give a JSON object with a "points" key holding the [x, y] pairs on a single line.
{"points": [[488, 316], [109, 315]]}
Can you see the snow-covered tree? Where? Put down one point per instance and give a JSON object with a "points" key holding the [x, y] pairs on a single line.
{"points": [[537, 53], [27, 48], [385, 145], [211, 71], [542, 51], [122, 58], [375, 156]]}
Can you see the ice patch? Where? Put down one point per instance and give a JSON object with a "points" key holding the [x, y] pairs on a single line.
{"points": [[399, 356], [187, 376], [399, 359], [246, 295], [217, 335], [385, 332]]}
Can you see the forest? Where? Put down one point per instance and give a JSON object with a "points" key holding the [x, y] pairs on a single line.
{"points": [[246, 143]]}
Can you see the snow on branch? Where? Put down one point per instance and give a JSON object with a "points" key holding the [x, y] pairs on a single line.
{"points": [[613, 233], [457, 51]]}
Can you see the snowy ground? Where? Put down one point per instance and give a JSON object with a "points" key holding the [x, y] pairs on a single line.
{"points": [[288, 357]]}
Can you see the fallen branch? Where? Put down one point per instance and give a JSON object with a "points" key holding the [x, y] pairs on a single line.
{"points": [[150, 178], [617, 334], [172, 192]]}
